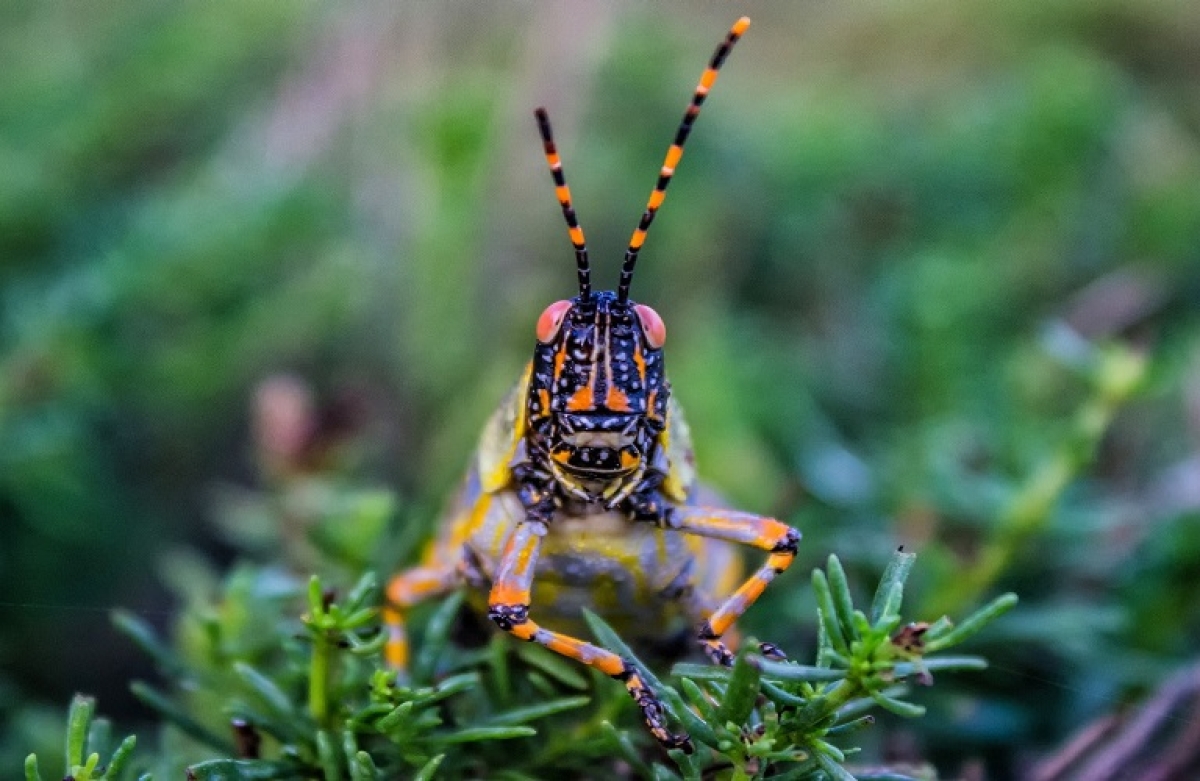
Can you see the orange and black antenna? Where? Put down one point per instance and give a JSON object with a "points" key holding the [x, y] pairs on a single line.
{"points": [[582, 264], [674, 153]]}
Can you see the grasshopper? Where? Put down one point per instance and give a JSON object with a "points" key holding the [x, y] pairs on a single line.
{"points": [[583, 493]]}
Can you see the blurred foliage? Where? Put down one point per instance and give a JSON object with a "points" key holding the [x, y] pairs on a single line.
{"points": [[930, 273]]}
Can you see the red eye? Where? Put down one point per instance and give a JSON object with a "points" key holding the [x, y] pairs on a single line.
{"points": [[652, 326], [551, 320]]}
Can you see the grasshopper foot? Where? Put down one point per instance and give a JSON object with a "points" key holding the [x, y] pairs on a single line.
{"points": [[717, 652], [772, 652], [653, 712]]}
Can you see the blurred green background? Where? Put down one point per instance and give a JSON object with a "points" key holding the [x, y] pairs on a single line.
{"points": [[930, 271]]}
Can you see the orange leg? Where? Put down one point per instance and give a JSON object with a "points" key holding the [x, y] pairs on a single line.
{"points": [[766, 534], [405, 590], [508, 607]]}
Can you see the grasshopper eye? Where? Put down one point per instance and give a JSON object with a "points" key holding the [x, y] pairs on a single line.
{"points": [[652, 326], [550, 322]]}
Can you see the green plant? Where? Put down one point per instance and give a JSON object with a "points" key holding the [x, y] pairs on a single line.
{"points": [[85, 734], [313, 700]]}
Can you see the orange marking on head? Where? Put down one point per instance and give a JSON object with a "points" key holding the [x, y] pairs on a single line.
{"points": [[560, 358], [628, 461], [616, 400], [582, 400], [561, 456]]}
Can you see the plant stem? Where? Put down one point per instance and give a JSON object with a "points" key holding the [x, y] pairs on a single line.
{"points": [[1118, 374], [318, 681]]}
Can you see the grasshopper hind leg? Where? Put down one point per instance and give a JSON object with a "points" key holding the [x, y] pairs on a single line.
{"points": [[405, 590]]}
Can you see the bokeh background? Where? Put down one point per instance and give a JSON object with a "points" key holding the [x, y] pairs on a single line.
{"points": [[931, 272]]}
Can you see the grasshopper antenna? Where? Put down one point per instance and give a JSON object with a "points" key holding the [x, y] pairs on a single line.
{"points": [[582, 264], [675, 152]]}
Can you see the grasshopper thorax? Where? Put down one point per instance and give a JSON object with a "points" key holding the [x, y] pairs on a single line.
{"points": [[598, 395]]}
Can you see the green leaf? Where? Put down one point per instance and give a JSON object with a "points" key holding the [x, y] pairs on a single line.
{"points": [[437, 631], [447, 688], [540, 711], [975, 622], [120, 757], [828, 613], [180, 718], [839, 589], [787, 671], [781, 697], [327, 755], [739, 698], [625, 748], [316, 597], [399, 715], [241, 770], [144, 637], [270, 694], [362, 592], [429, 768], [661, 773], [32, 773], [908, 710], [698, 699], [903, 669], [473, 734], [832, 767], [853, 725], [688, 763], [562, 670], [362, 767], [79, 719], [890, 593], [613, 642]]}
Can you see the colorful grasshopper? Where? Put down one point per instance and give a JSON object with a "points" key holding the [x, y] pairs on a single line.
{"points": [[582, 493]]}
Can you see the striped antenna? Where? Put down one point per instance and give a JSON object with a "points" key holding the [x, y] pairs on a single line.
{"points": [[675, 152], [582, 265]]}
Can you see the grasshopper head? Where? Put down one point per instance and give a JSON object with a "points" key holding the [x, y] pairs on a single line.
{"points": [[598, 394]]}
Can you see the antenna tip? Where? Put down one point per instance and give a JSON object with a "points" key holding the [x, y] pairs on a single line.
{"points": [[543, 123], [740, 25]]}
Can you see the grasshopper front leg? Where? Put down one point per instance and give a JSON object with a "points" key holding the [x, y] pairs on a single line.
{"points": [[766, 534], [508, 607]]}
